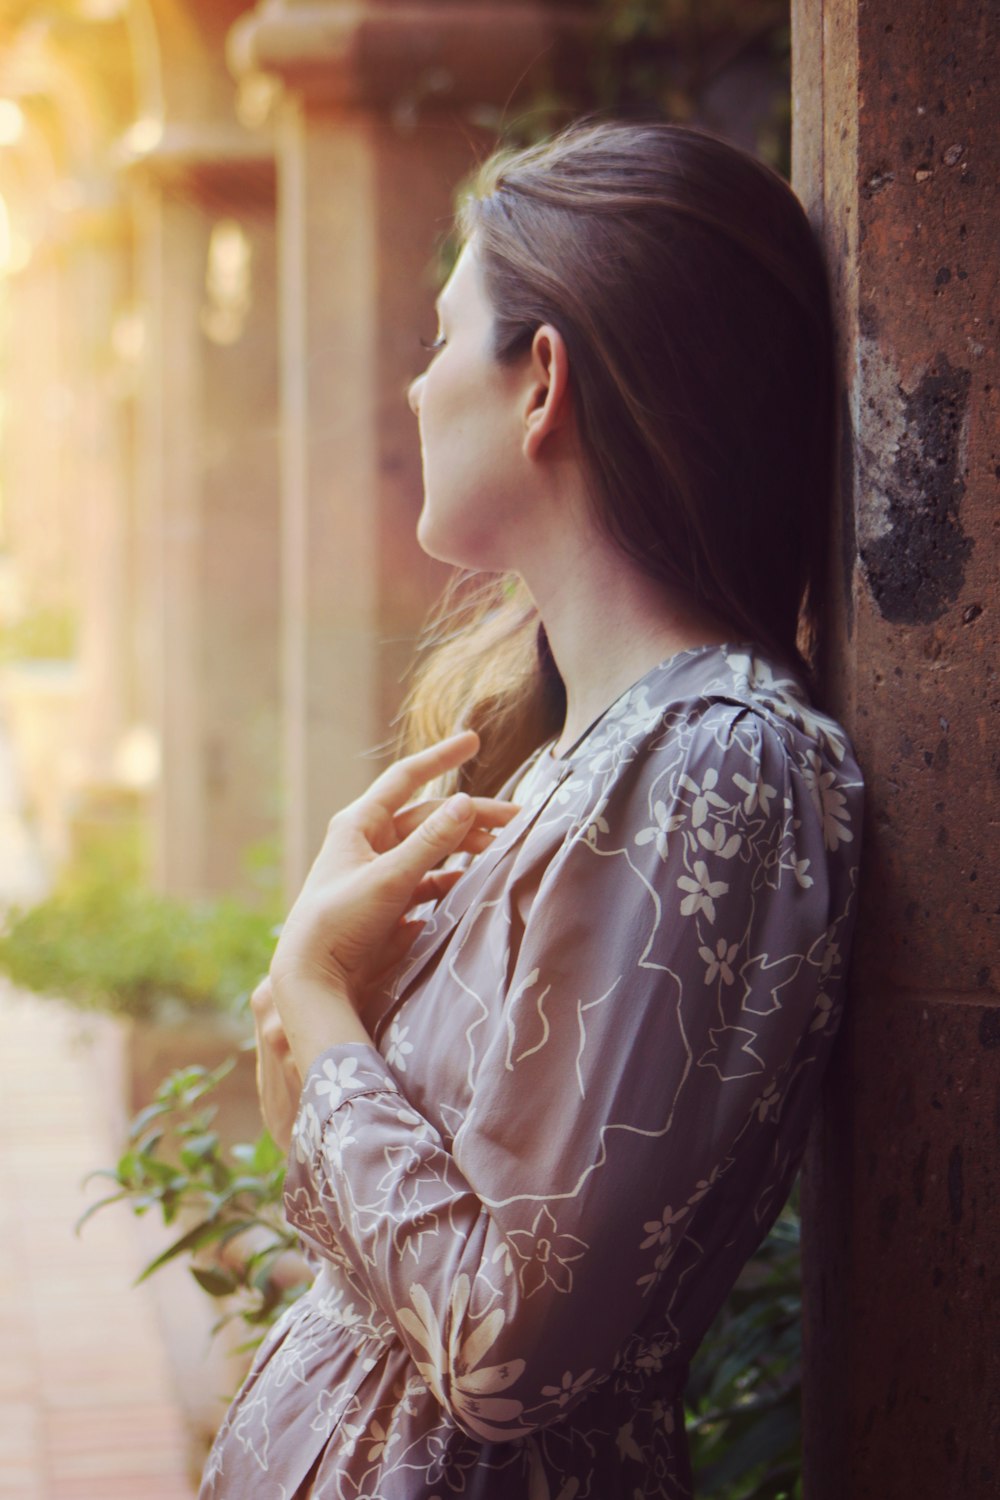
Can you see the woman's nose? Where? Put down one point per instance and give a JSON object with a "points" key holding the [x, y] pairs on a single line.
{"points": [[413, 395]]}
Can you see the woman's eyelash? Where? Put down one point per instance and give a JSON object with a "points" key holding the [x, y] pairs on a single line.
{"points": [[438, 343]]}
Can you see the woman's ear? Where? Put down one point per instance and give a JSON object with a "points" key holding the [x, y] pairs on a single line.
{"points": [[548, 405]]}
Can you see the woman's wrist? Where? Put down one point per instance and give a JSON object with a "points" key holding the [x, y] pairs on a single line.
{"points": [[316, 1014]]}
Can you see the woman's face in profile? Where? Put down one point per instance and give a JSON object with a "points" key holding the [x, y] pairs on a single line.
{"points": [[471, 432]]}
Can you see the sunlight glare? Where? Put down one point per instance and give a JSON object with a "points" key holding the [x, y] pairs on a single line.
{"points": [[15, 252], [11, 122]]}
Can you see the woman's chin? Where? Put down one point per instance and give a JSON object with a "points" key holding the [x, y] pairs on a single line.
{"points": [[447, 546], [428, 542], [425, 533]]}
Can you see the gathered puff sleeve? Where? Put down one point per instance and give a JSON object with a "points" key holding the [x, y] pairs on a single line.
{"points": [[678, 974]]}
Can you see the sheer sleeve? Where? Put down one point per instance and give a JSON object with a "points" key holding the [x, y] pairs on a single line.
{"points": [[675, 979]]}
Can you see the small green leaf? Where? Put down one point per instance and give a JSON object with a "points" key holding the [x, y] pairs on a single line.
{"points": [[215, 1283], [92, 1209], [148, 1144], [109, 1172], [193, 1239], [144, 1118], [267, 1157], [126, 1167], [762, 1441], [198, 1150]]}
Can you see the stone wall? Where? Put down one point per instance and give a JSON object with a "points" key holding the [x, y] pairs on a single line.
{"points": [[896, 150]]}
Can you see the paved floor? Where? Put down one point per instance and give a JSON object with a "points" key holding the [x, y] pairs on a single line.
{"points": [[86, 1406]]}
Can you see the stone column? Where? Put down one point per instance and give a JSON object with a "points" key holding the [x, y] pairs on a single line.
{"points": [[65, 246], [100, 491], [374, 135], [207, 491], [896, 152], [39, 400]]}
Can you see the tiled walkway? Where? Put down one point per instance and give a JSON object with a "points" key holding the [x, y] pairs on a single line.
{"points": [[86, 1407], [86, 1410]]}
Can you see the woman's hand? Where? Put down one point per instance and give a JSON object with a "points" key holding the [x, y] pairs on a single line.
{"points": [[377, 861], [279, 1082]]}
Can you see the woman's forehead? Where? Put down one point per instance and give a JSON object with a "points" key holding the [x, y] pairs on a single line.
{"points": [[463, 284]]}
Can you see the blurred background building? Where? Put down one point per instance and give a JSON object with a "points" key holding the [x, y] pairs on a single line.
{"points": [[221, 237]]}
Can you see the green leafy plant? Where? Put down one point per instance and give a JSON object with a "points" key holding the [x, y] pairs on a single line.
{"points": [[104, 941], [743, 1392], [228, 1201]]}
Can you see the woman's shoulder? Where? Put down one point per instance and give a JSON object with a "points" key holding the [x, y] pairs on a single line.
{"points": [[718, 700], [721, 748]]}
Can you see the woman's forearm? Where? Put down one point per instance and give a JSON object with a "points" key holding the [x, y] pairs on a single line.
{"points": [[317, 1016]]}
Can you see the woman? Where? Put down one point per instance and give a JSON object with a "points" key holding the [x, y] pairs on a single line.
{"points": [[541, 1130]]}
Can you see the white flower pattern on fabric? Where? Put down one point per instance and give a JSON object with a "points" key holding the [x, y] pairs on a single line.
{"points": [[586, 1099], [719, 842], [568, 1387], [471, 1385], [705, 796], [306, 1133], [545, 1255], [379, 1441], [829, 800], [338, 1079], [595, 827], [659, 1231], [398, 1048], [757, 794], [719, 961], [702, 890], [336, 1140], [666, 824]]}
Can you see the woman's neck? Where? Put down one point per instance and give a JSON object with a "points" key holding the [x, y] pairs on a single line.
{"points": [[607, 624]]}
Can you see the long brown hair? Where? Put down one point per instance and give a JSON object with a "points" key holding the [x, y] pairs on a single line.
{"points": [[690, 290]]}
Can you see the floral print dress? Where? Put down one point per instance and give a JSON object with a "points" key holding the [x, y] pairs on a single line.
{"points": [[584, 1106]]}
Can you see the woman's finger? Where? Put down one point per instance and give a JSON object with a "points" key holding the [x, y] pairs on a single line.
{"points": [[477, 841], [279, 1082], [441, 833], [391, 953], [435, 885], [261, 999], [272, 1034], [397, 946], [267, 1022], [490, 813], [400, 783]]}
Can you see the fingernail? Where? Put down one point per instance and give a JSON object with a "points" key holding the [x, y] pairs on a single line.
{"points": [[458, 808]]}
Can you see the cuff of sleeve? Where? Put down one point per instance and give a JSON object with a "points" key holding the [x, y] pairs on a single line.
{"points": [[340, 1074]]}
